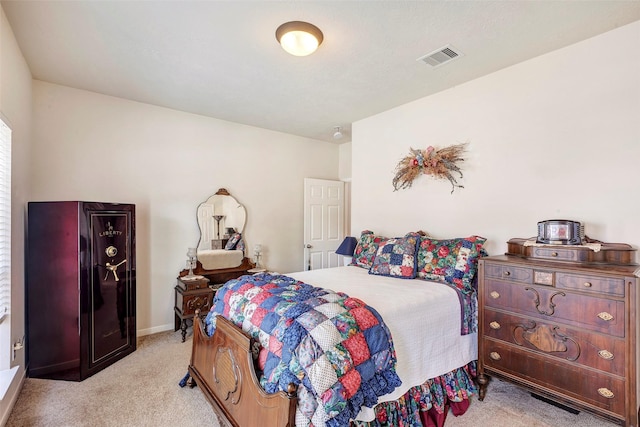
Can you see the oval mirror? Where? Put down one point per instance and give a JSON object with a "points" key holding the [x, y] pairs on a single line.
{"points": [[218, 217]]}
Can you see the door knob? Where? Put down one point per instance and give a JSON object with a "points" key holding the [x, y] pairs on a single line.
{"points": [[308, 246]]}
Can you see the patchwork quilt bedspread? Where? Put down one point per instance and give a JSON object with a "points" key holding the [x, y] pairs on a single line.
{"points": [[335, 348]]}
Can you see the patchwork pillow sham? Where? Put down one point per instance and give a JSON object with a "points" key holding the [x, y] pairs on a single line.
{"points": [[396, 258], [233, 241], [366, 249], [453, 261]]}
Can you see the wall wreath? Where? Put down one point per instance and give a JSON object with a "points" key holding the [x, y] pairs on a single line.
{"points": [[440, 163]]}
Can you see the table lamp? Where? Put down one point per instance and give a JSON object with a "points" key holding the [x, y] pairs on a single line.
{"points": [[346, 248], [191, 262], [257, 253]]}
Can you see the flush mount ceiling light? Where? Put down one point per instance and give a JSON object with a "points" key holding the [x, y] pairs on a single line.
{"points": [[299, 38]]}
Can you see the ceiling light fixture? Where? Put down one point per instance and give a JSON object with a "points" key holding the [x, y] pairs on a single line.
{"points": [[338, 132], [299, 38]]}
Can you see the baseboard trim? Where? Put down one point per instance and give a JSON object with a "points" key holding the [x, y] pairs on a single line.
{"points": [[155, 330], [12, 395]]}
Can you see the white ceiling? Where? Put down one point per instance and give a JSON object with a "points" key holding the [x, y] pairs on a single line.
{"points": [[221, 58]]}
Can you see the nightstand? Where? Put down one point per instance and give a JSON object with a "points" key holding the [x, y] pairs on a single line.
{"points": [[191, 295]]}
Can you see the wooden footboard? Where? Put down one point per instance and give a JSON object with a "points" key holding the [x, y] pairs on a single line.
{"points": [[222, 366]]}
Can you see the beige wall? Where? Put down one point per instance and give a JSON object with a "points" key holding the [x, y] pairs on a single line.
{"points": [[557, 136], [93, 147], [15, 108], [345, 175]]}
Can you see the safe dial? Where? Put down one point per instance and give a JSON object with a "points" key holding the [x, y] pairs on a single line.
{"points": [[111, 251]]}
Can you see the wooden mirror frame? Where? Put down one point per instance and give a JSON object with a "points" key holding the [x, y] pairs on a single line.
{"points": [[220, 275], [232, 214]]}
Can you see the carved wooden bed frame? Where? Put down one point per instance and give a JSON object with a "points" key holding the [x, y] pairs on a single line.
{"points": [[222, 366]]}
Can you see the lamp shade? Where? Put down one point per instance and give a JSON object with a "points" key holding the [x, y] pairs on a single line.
{"points": [[299, 38], [347, 246]]}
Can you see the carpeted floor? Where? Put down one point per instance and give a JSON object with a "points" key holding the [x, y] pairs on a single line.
{"points": [[139, 390], [142, 390], [507, 405]]}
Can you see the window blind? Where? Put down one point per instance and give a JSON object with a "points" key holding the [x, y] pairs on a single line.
{"points": [[5, 220]]}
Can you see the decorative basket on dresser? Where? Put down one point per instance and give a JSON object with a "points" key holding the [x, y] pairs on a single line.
{"points": [[562, 321]]}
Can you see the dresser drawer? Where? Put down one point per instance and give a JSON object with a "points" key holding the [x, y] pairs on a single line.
{"points": [[509, 272], [193, 284], [197, 302], [555, 253], [187, 303], [583, 385], [606, 285], [555, 305], [594, 350]]}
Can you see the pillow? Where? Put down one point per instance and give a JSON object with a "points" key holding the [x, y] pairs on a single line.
{"points": [[240, 246], [366, 249], [396, 258], [474, 282], [233, 241], [453, 261]]}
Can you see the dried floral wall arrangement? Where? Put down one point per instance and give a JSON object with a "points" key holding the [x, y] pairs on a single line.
{"points": [[440, 163]]}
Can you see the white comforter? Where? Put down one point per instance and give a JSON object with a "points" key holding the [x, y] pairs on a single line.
{"points": [[423, 317]]}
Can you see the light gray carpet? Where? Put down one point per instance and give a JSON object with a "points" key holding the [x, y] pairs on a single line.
{"points": [[507, 405], [142, 390], [139, 390]]}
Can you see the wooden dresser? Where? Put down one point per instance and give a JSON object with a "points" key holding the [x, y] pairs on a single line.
{"points": [[567, 331]]}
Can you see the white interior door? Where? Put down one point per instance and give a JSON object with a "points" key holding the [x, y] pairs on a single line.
{"points": [[323, 223]]}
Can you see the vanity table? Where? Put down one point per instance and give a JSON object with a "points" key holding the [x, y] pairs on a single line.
{"points": [[219, 212], [222, 275], [217, 217]]}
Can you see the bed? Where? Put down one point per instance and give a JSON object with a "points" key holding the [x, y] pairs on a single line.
{"points": [[431, 319]]}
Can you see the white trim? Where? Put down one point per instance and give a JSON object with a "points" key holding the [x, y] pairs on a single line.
{"points": [[13, 392], [154, 330], [6, 378], [5, 245]]}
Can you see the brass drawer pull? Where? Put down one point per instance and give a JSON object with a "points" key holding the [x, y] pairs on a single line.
{"points": [[605, 392], [554, 253], [494, 295], [495, 355], [494, 325], [605, 316], [507, 273], [587, 284], [607, 355]]}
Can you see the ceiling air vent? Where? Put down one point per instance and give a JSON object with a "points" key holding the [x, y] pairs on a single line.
{"points": [[441, 56]]}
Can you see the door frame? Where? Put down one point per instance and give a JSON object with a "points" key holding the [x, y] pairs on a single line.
{"points": [[329, 238]]}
